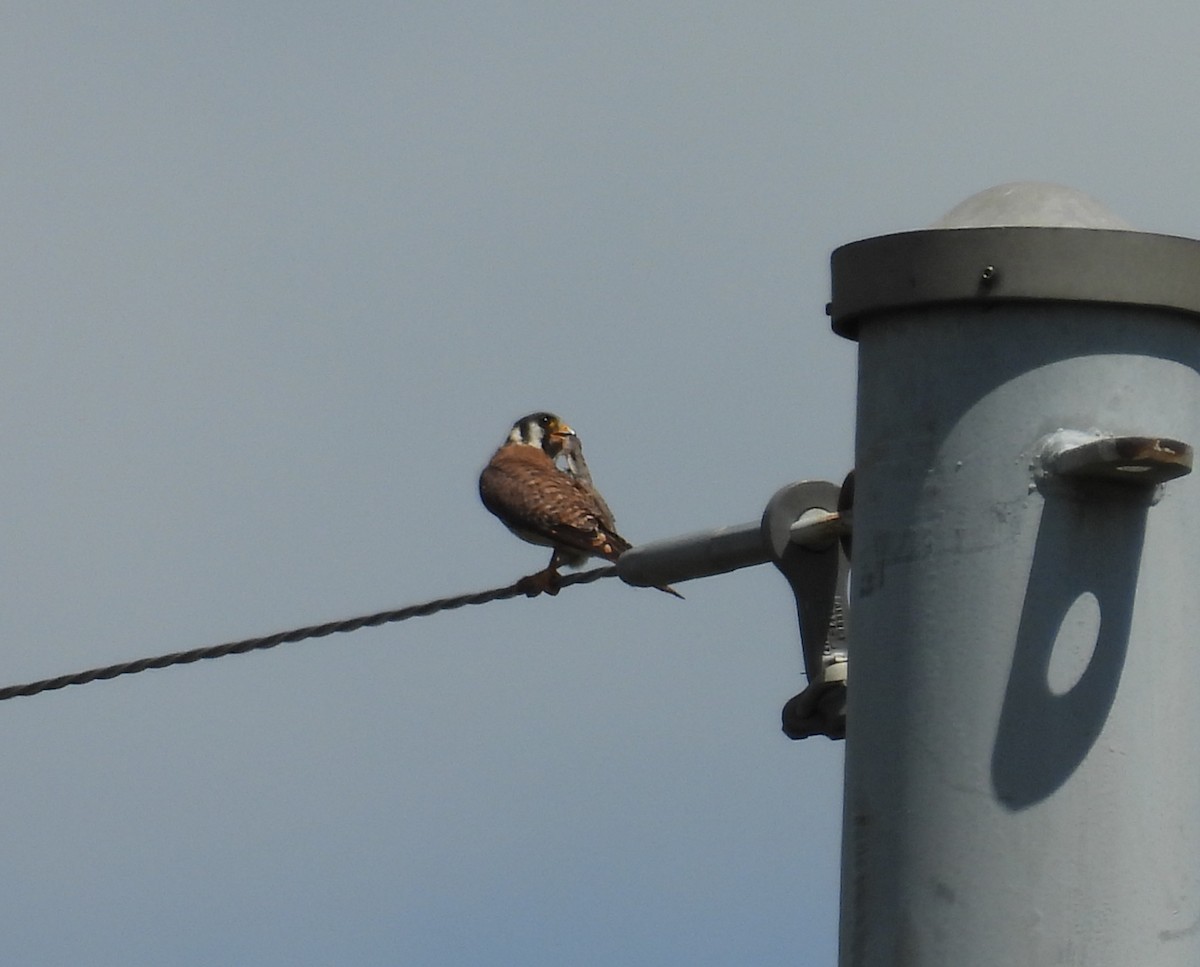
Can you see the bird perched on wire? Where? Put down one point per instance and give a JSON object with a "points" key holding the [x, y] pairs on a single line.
{"points": [[543, 503]]}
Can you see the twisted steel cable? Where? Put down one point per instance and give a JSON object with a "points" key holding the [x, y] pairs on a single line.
{"points": [[288, 637]]}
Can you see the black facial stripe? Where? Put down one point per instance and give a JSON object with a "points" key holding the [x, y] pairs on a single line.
{"points": [[542, 420]]}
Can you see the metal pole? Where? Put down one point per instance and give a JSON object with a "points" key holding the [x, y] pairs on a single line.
{"points": [[1023, 746]]}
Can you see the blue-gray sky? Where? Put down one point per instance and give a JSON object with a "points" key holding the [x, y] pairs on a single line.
{"points": [[276, 279]]}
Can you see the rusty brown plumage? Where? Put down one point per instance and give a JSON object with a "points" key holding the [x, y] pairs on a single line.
{"points": [[522, 486], [541, 503]]}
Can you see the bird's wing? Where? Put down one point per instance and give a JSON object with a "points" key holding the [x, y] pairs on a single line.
{"points": [[577, 468], [529, 493]]}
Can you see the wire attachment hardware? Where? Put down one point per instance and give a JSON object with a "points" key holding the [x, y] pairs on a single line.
{"points": [[805, 532], [806, 527], [1144, 460]]}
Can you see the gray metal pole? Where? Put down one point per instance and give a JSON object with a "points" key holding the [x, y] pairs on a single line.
{"points": [[1023, 746]]}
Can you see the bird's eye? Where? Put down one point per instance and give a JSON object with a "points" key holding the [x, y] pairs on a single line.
{"points": [[546, 420]]}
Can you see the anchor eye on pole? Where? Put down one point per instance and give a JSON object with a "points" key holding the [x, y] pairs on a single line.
{"points": [[1137, 460]]}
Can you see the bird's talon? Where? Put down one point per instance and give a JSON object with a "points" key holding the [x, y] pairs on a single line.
{"points": [[529, 587], [544, 582]]}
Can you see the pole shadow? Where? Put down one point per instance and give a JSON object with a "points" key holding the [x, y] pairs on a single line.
{"points": [[1090, 539]]}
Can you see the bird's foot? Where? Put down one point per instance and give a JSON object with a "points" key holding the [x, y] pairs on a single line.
{"points": [[544, 582]]}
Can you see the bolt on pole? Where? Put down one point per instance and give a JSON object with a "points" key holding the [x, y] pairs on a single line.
{"points": [[1023, 727]]}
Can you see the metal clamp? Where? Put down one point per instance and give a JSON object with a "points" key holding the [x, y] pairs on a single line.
{"points": [[806, 528], [1092, 455], [805, 532]]}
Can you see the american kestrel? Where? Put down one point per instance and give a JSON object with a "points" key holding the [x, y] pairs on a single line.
{"points": [[543, 503]]}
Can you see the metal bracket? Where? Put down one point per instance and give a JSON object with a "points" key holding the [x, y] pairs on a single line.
{"points": [[805, 528], [805, 532], [1139, 460]]}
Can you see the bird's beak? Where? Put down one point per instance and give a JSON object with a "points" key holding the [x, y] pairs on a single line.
{"points": [[562, 439]]}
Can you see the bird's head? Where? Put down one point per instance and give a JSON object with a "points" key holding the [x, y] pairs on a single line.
{"points": [[544, 430]]}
